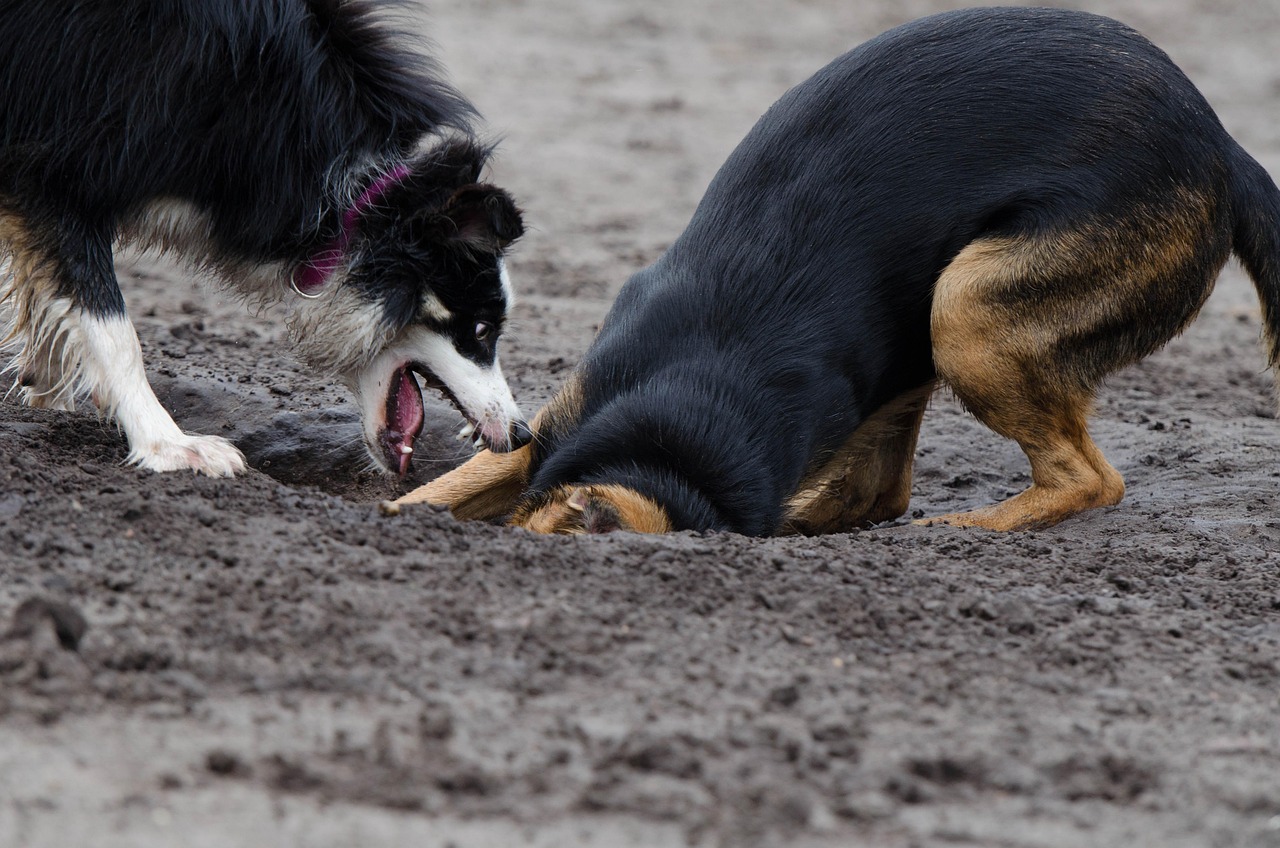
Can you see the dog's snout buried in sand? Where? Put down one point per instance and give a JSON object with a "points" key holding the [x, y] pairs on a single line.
{"points": [[1010, 202]]}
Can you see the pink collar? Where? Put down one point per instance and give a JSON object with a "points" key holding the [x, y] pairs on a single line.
{"points": [[308, 278]]}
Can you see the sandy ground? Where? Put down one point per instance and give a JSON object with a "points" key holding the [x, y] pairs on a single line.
{"points": [[270, 662]]}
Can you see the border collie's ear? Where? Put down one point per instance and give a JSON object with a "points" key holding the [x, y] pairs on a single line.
{"points": [[464, 159], [479, 216]]}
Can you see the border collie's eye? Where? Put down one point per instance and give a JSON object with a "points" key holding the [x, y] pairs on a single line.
{"points": [[483, 330]]}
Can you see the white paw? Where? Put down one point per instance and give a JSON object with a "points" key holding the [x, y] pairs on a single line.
{"points": [[210, 455]]}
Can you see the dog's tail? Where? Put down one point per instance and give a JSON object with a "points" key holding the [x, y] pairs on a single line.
{"points": [[1255, 207]]}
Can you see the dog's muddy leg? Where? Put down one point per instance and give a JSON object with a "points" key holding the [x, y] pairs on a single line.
{"points": [[869, 478], [483, 488], [1024, 328], [76, 339]]}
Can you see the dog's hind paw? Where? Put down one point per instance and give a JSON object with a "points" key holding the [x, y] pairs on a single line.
{"points": [[212, 456]]}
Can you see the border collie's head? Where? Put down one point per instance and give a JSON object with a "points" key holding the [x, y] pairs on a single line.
{"points": [[422, 292]]}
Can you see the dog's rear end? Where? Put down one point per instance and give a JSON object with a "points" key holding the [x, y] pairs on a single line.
{"points": [[241, 137]]}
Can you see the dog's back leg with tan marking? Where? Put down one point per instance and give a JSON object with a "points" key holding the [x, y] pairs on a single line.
{"points": [[869, 479], [1026, 325]]}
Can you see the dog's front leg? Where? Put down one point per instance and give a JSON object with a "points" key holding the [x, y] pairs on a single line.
{"points": [[485, 487], [77, 339]]}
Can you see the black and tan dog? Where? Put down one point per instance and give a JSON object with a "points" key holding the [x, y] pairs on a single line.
{"points": [[1014, 202]]}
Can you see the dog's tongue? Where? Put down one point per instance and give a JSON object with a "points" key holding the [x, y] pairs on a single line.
{"points": [[404, 419]]}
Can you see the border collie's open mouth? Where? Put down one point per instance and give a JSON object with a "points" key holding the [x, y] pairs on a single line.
{"points": [[498, 427], [405, 416]]}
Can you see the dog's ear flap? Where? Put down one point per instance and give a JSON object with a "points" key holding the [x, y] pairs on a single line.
{"points": [[596, 513], [462, 160], [599, 508], [480, 217]]}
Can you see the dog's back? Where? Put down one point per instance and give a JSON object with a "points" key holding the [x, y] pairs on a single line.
{"points": [[823, 234]]}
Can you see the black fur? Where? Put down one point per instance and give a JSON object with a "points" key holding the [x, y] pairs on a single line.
{"points": [[798, 299], [247, 110]]}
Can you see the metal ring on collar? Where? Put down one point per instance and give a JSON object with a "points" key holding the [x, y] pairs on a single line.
{"points": [[293, 284]]}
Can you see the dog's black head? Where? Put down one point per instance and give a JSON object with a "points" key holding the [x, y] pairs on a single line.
{"points": [[422, 290]]}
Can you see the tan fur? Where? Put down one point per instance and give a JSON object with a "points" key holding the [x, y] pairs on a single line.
{"points": [[489, 485], [171, 226], [485, 487], [434, 308], [42, 332], [41, 338], [180, 230], [563, 410], [868, 479], [1020, 333], [60, 353], [576, 510]]}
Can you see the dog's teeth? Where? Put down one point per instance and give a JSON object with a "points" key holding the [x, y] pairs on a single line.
{"points": [[479, 443], [465, 432], [405, 449]]}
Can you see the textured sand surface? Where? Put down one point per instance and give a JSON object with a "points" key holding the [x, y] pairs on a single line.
{"points": [[271, 662]]}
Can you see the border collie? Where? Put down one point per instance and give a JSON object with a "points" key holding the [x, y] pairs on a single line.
{"points": [[1013, 202], [298, 149]]}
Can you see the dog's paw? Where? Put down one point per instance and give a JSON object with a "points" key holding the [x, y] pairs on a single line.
{"points": [[209, 455]]}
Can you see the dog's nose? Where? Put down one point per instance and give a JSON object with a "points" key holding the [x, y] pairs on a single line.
{"points": [[520, 435]]}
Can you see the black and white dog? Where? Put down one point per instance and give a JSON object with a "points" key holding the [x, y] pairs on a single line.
{"points": [[299, 150]]}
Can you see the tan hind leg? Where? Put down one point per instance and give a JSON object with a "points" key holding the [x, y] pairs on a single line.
{"points": [[1068, 472], [489, 485], [869, 478], [1024, 328]]}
